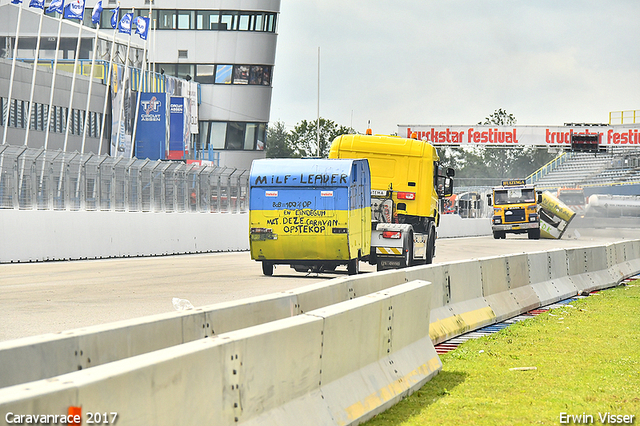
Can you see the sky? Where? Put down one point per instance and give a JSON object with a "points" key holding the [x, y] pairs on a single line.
{"points": [[455, 62]]}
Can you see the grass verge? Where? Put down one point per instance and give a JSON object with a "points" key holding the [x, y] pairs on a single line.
{"points": [[587, 360]]}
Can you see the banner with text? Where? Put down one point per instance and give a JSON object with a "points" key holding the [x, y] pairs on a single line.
{"points": [[519, 135]]}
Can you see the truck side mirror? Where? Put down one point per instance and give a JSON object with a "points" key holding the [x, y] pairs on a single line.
{"points": [[489, 200], [539, 198], [448, 187], [450, 172]]}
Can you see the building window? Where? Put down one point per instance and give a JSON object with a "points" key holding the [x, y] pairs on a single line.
{"points": [[204, 74], [185, 17], [241, 74], [228, 20], [166, 19], [218, 135], [250, 136], [232, 135], [223, 74]]}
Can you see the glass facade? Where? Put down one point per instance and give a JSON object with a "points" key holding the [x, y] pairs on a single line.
{"points": [[209, 20], [235, 136]]}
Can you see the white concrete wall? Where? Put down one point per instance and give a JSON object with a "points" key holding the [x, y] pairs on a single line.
{"points": [[452, 226], [36, 235]]}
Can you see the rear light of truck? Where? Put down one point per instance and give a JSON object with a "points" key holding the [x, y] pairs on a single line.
{"points": [[406, 195], [392, 234]]}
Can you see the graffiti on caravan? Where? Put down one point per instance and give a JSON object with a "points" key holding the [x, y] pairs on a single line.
{"points": [[313, 179]]}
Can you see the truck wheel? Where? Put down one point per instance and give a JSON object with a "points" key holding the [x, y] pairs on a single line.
{"points": [[534, 234], [499, 235], [354, 266], [267, 268]]}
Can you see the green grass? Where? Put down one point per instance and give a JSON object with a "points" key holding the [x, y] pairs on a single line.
{"points": [[587, 360]]}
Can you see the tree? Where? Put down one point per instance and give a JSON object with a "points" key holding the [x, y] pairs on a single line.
{"points": [[303, 138], [500, 117], [278, 143]]}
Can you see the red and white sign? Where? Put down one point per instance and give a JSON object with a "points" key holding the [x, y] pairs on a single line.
{"points": [[519, 135], [326, 193], [270, 193]]}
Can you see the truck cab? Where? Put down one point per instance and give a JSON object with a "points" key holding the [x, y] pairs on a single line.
{"points": [[515, 210], [407, 182]]}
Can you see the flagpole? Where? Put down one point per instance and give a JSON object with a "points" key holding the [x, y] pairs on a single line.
{"points": [[123, 87], [106, 93], [140, 87], [153, 68], [93, 64], [13, 72], [53, 84], [73, 84], [33, 77]]}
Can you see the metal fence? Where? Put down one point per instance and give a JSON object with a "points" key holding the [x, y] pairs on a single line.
{"points": [[35, 179]]}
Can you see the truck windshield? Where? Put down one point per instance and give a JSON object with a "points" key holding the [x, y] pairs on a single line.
{"points": [[515, 196]]}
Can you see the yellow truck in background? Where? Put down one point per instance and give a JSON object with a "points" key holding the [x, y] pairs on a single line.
{"points": [[407, 181], [515, 209], [518, 208]]}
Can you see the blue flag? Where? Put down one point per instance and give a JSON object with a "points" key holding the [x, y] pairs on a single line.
{"points": [[125, 24], [16, 1], [142, 27], [74, 10], [97, 11], [38, 4], [56, 6], [114, 17]]}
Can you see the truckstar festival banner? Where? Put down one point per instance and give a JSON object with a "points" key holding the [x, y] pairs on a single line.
{"points": [[520, 135]]}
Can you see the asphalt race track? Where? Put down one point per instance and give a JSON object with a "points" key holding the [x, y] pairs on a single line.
{"points": [[50, 297]]}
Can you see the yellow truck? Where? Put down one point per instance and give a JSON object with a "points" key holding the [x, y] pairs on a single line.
{"points": [[407, 181], [515, 209]]}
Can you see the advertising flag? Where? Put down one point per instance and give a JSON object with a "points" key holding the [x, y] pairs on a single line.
{"points": [[142, 27], [38, 4], [74, 10], [97, 11], [114, 17], [16, 1], [125, 24], [56, 6]]}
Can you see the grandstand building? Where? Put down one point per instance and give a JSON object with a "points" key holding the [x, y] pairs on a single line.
{"points": [[227, 48]]}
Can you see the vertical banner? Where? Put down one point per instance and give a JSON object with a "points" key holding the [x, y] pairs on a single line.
{"points": [[122, 93], [151, 135], [177, 129], [193, 102]]}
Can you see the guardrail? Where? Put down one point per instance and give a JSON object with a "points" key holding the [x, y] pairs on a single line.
{"points": [[147, 355]]}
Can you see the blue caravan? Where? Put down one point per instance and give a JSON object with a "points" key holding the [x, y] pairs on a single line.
{"points": [[311, 214]]}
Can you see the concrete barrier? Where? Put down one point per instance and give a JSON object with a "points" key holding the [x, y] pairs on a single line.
{"points": [[466, 295], [467, 309], [547, 283], [588, 268], [334, 362], [495, 287], [104, 234], [49, 355]]}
